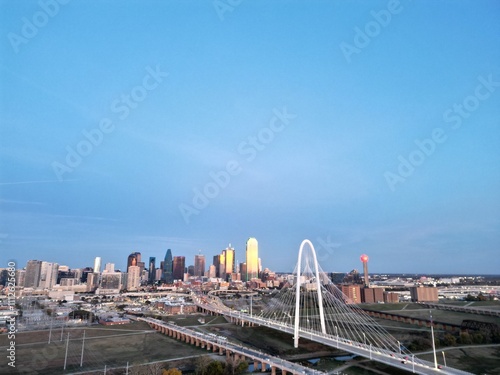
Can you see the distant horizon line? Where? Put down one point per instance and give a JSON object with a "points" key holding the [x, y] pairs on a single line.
{"points": [[414, 273]]}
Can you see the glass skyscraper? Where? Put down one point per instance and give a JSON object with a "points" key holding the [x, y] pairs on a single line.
{"points": [[167, 268], [252, 259]]}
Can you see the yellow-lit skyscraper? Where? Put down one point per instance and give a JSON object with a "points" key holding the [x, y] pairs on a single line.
{"points": [[229, 259], [252, 259]]}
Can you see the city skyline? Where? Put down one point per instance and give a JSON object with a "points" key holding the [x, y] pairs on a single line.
{"points": [[365, 127], [358, 266]]}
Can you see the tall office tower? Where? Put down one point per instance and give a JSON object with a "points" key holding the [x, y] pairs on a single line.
{"points": [[178, 265], [222, 266], [133, 259], [216, 264], [85, 274], [32, 278], [97, 265], [109, 267], [167, 268], [92, 281], [199, 265], [229, 259], [78, 273], [252, 259], [212, 273], [364, 260], [142, 266], [20, 277], [48, 275], [152, 270], [243, 271], [158, 273], [133, 278], [4, 277]]}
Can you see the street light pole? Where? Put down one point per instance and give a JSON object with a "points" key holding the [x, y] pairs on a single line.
{"points": [[337, 333], [83, 346], [50, 329], [433, 343]]}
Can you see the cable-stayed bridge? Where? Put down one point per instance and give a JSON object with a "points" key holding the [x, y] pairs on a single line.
{"points": [[314, 308]]}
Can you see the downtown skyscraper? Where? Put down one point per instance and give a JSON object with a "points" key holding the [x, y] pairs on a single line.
{"points": [[178, 267], [97, 265], [152, 270], [252, 263], [33, 270], [167, 268], [229, 262], [199, 265]]}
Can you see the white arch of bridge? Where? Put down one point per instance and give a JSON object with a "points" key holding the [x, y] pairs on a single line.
{"points": [[297, 292]]}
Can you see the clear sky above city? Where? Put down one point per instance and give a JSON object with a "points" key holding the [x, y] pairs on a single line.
{"points": [[365, 126]]}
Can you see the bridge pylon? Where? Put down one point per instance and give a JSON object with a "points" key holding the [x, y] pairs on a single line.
{"points": [[297, 292]]}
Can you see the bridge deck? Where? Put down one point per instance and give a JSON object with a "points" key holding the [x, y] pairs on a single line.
{"points": [[393, 359], [255, 355]]}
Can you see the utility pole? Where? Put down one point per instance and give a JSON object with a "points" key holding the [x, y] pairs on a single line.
{"points": [[66, 355]]}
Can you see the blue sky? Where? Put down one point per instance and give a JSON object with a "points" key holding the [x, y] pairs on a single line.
{"points": [[317, 107]]}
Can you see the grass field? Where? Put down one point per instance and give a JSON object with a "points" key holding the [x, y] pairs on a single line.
{"points": [[448, 316], [112, 346], [418, 311], [477, 360], [393, 306], [135, 343]]}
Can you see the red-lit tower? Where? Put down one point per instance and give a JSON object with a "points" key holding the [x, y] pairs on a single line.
{"points": [[364, 259]]}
